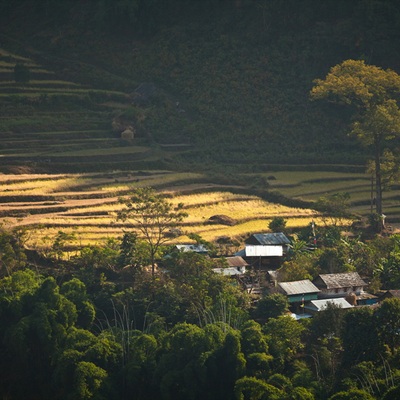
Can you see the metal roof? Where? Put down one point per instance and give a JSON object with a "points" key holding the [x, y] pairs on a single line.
{"points": [[230, 271], [298, 287], [236, 261], [268, 239], [393, 293], [334, 281], [320, 305], [197, 248]]}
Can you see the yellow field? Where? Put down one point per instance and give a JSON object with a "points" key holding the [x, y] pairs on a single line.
{"points": [[87, 205]]}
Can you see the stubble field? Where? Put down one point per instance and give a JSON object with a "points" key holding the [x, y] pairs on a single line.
{"points": [[86, 205]]}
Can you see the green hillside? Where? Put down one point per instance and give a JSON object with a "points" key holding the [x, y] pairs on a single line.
{"points": [[224, 82]]}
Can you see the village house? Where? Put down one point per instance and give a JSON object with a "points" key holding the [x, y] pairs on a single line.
{"points": [[299, 291], [236, 266], [316, 306], [389, 294], [341, 285], [265, 250]]}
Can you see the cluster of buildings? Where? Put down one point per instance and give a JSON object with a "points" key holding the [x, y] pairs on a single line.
{"points": [[264, 254], [343, 290]]}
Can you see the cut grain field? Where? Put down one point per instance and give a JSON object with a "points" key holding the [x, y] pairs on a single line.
{"points": [[311, 185], [86, 205]]}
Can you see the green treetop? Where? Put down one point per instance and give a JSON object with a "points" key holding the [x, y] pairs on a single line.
{"points": [[374, 94]]}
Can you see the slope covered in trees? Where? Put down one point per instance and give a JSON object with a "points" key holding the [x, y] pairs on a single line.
{"points": [[101, 327], [231, 78]]}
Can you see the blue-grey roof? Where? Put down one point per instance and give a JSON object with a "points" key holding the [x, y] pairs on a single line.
{"points": [[241, 253], [230, 271], [278, 238]]}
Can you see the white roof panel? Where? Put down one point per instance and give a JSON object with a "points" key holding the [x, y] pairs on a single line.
{"points": [[323, 304], [263, 251]]}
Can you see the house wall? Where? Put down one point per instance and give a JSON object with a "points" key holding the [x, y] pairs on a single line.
{"points": [[298, 298], [339, 292], [264, 251]]}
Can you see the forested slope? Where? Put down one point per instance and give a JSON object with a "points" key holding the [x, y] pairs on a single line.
{"points": [[230, 78]]}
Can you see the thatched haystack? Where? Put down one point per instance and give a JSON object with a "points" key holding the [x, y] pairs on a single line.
{"points": [[128, 133], [222, 220]]}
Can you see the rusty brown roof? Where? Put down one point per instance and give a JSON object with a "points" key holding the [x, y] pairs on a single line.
{"points": [[236, 261], [334, 281]]}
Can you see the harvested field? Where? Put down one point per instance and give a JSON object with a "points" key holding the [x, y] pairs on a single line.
{"points": [[85, 205]]}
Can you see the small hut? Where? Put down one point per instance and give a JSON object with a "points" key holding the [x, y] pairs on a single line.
{"points": [[128, 133]]}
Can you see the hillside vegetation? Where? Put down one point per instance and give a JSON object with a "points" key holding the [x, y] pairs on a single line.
{"points": [[230, 78]]}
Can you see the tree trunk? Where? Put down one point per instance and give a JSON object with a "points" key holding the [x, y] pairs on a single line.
{"points": [[153, 266], [378, 178]]}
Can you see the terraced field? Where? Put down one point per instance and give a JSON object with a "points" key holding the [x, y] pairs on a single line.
{"points": [[47, 123], [63, 168], [85, 205]]}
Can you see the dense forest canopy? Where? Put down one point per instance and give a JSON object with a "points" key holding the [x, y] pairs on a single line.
{"points": [[99, 326]]}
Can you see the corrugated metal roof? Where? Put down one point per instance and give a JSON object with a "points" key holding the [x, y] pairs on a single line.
{"points": [[268, 239], [298, 287], [236, 261], [230, 271], [323, 304], [347, 279], [394, 293]]}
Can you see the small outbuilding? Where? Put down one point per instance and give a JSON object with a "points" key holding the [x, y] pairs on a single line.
{"points": [[389, 294], [236, 267], [315, 306], [265, 250]]}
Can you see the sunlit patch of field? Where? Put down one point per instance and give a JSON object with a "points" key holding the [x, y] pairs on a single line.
{"points": [[8, 178], [87, 204], [242, 209], [212, 232], [210, 197], [39, 186], [43, 237], [310, 185], [313, 184]]}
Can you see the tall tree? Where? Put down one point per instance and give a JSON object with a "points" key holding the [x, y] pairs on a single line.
{"points": [[388, 322], [153, 215], [374, 94]]}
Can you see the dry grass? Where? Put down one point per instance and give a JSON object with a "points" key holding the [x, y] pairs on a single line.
{"points": [[40, 186], [87, 206]]}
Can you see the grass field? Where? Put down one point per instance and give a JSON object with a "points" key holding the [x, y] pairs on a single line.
{"points": [[310, 185]]}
